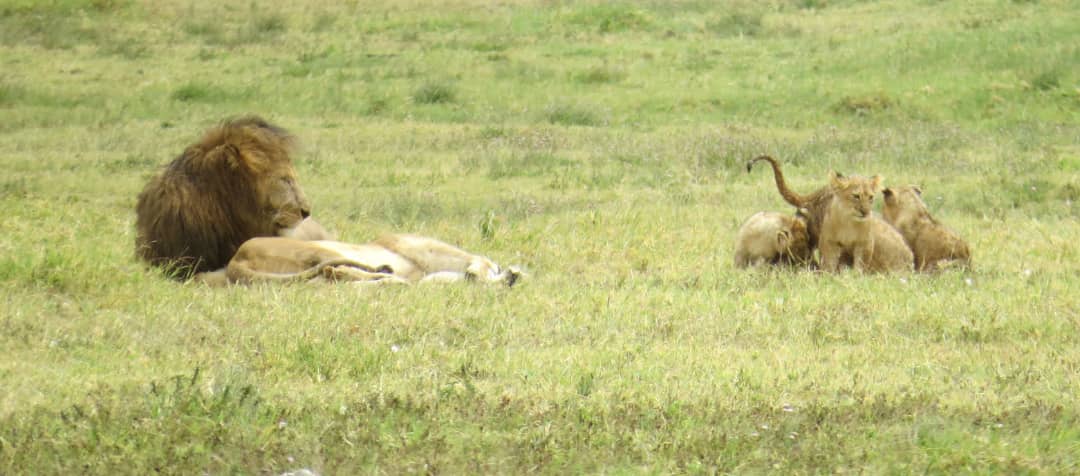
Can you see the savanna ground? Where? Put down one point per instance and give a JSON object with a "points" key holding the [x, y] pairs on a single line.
{"points": [[599, 145]]}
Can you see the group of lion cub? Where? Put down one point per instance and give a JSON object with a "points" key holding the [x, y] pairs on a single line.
{"points": [[229, 210], [838, 221]]}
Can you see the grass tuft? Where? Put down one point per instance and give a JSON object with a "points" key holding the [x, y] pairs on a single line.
{"points": [[600, 75], [611, 18], [1047, 80], [573, 115], [864, 105], [435, 93], [740, 22]]}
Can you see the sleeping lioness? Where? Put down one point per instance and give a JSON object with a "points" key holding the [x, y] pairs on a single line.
{"points": [[390, 259]]}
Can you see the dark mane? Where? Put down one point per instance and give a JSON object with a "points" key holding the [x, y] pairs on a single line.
{"points": [[193, 216]]}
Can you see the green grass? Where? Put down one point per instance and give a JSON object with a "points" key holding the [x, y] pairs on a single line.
{"points": [[601, 146]]}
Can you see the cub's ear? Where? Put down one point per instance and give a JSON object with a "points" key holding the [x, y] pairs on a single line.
{"points": [[875, 181], [918, 191], [834, 178], [887, 192], [802, 215]]}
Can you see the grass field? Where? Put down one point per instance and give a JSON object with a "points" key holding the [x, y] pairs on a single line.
{"points": [[601, 146]]}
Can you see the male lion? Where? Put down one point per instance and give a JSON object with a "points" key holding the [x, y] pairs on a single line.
{"points": [[390, 259], [773, 238], [850, 232], [236, 183], [933, 243], [815, 203]]}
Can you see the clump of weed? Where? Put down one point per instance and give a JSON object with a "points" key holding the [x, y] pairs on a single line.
{"points": [[864, 105], [50, 31], [435, 93], [375, 105], [812, 4], [599, 75], [197, 92], [10, 95], [18, 188], [739, 22], [611, 18], [491, 45], [268, 25], [531, 164], [209, 31], [573, 115], [322, 23], [488, 225], [1047, 80]]}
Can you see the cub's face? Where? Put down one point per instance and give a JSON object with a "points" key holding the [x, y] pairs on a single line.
{"points": [[902, 201], [854, 196], [798, 241]]}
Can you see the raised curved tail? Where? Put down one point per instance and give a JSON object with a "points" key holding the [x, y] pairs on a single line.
{"points": [[789, 195]]}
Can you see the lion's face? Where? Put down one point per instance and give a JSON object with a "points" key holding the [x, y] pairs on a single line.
{"points": [[283, 201], [855, 195], [903, 202]]}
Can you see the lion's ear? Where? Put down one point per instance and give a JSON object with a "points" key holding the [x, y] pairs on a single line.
{"points": [[229, 155], [918, 191], [887, 192], [875, 181]]}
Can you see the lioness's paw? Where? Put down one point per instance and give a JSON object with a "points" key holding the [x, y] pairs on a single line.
{"points": [[512, 274]]}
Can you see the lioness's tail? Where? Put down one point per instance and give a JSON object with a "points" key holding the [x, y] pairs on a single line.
{"points": [[789, 195]]}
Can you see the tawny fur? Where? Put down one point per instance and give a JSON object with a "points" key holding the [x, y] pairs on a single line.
{"points": [[236, 183], [934, 244], [891, 252], [390, 259], [850, 232], [815, 204], [773, 238]]}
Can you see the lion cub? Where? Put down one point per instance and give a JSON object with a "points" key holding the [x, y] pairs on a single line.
{"points": [[933, 243], [773, 238], [850, 232]]}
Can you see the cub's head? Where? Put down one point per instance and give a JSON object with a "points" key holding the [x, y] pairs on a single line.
{"points": [[854, 196], [903, 202], [795, 240]]}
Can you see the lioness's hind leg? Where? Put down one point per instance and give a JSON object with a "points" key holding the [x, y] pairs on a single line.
{"points": [[352, 273]]}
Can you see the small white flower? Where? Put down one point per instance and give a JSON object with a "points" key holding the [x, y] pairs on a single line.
{"points": [[999, 425], [1028, 273], [793, 435], [903, 280], [969, 281], [764, 426], [290, 459], [281, 424], [788, 408], [395, 348]]}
